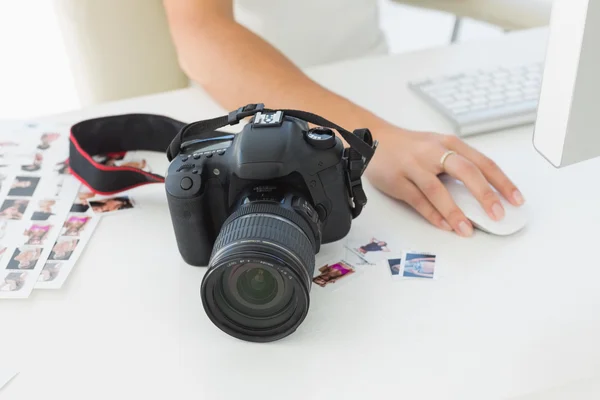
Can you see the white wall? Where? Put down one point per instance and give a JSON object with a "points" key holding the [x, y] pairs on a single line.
{"points": [[35, 78], [34, 75]]}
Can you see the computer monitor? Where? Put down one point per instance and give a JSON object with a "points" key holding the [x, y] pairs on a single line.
{"points": [[567, 129]]}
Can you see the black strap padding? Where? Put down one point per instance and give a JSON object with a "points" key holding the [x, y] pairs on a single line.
{"points": [[117, 134]]}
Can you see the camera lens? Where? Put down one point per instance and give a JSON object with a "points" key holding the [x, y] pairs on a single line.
{"points": [[257, 285]]}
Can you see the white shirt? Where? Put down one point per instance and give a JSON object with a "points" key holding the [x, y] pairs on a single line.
{"points": [[313, 32]]}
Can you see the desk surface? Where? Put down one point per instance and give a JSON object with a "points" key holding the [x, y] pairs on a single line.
{"points": [[506, 316]]}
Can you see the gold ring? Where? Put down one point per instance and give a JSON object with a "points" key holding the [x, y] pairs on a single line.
{"points": [[445, 156]]}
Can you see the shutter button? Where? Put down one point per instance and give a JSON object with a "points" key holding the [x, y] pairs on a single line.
{"points": [[186, 183]]}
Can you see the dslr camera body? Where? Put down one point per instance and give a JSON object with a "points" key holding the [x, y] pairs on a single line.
{"points": [[255, 208]]}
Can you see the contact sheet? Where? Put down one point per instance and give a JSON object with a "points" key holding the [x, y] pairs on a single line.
{"points": [[42, 232]]}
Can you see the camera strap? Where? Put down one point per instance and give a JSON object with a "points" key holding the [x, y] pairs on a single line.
{"points": [[149, 132]]}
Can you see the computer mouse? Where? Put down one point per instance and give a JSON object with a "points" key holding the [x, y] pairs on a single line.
{"points": [[515, 218]]}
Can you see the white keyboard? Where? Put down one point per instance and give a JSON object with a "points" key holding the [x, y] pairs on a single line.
{"points": [[485, 100]]}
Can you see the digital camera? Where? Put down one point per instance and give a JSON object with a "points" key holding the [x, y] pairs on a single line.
{"points": [[255, 208]]}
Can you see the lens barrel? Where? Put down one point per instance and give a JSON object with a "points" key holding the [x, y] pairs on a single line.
{"points": [[260, 272]]}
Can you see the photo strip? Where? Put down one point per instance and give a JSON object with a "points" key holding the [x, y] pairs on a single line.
{"points": [[34, 204]]}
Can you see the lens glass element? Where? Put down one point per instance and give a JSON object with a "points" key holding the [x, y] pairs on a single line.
{"points": [[254, 289], [257, 286]]}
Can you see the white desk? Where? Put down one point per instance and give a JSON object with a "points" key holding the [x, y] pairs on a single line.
{"points": [[507, 316]]}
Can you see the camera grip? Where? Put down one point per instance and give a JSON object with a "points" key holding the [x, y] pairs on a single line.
{"points": [[192, 231]]}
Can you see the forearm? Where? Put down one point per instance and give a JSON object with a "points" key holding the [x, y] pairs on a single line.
{"points": [[244, 69]]}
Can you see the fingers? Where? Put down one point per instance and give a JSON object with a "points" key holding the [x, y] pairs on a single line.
{"points": [[464, 170], [416, 199], [489, 169], [434, 190]]}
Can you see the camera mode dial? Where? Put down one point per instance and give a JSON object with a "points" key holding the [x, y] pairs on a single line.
{"points": [[320, 138]]}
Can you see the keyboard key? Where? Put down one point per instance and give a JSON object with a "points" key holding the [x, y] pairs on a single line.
{"points": [[513, 93], [529, 89], [513, 87], [478, 107], [461, 104], [499, 112], [479, 100], [445, 99], [532, 96], [496, 103], [496, 96], [460, 96], [467, 88], [460, 110]]}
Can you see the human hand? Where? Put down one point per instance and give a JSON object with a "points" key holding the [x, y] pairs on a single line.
{"points": [[407, 166]]}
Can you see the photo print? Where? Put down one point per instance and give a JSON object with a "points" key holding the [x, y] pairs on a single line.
{"points": [[372, 249], [24, 186], [47, 139], [36, 165], [50, 272], [63, 249], [331, 273], [395, 265], [75, 224], [24, 258], [13, 281], [419, 265], [37, 233], [111, 205], [80, 205], [13, 209], [44, 210]]}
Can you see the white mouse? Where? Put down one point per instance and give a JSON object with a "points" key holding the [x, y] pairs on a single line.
{"points": [[515, 218]]}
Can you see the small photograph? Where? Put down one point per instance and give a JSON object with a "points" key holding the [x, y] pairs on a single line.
{"points": [[24, 258], [47, 139], [13, 209], [395, 265], [50, 272], [13, 282], [80, 205], [419, 265], [372, 250], [24, 186], [62, 168], [36, 165], [37, 234], [63, 249], [332, 273], [111, 205], [44, 210], [75, 224]]}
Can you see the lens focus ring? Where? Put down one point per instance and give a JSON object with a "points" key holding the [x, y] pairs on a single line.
{"points": [[269, 228]]}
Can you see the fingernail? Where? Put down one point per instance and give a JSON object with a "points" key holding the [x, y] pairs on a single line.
{"points": [[465, 229], [446, 226], [518, 197], [497, 211]]}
